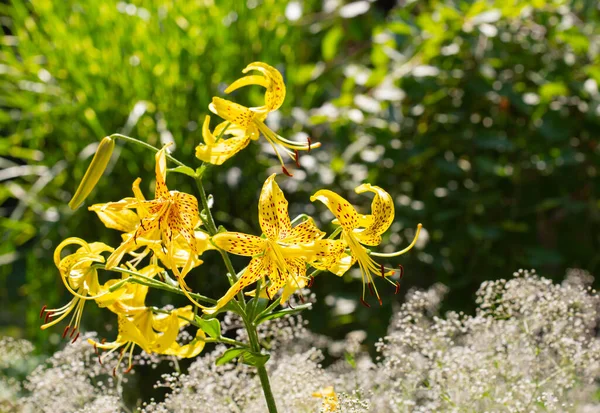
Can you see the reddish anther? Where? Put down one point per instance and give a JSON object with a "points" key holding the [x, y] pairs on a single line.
{"points": [[285, 171], [401, 268], [103, 341], [297, 158], [72, 332], [397, 287], [115, 372], [301, 299], [99, 359], [290, 305], [75, 339], [309, 143], [371, 291], [380, 302], [42, 312], [311, 281], [128, 369], [96, 350], [66, 331], [382, 271], [363, 302], [49, 314]]}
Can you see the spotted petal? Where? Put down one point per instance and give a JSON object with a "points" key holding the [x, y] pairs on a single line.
{"points": [[345, 213], [304, 233], [239, 243], [273, 211], [161, 173], [382, 215], [271, 80], [257, 269]]}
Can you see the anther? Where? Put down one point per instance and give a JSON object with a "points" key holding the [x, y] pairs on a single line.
{"points": [[311, 281], [371, 291], [75, 339], [397, 287], [42, 312], [99, 359], [72, 332], [96, 350], [382, 271], [115, 372], [290, 305], [48, 316], [363, 302], [66, 331], [301, 298], [128, 369], [285, 171], [297, 158], [401, 268], [103, 341], [309, 143], [380, 302]]}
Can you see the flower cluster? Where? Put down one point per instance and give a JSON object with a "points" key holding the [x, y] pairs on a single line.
{"points": [[164, 238]]}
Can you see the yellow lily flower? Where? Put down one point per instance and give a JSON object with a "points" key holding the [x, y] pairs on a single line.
{"points": [[330, 400], [168, 215], [128, 221], [281, 255], [139, 325], [359, 230], [80, 278], [248, 123], [154, 333]]}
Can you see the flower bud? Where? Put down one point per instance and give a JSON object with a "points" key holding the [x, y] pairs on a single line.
{"points": [[94, 171]]}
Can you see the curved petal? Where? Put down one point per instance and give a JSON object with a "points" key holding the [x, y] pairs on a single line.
{"points": [[123, 220], [233, 112], [192, 349], [239, 243], [257, 269], [304, 233], [271, 80], [344, 212], [273, 211], [382, 215], [221, 151]]}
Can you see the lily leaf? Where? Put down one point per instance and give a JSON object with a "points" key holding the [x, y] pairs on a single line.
{"points": [[255, 359], [212, 326], [229, 355], [282, 313], [186, 170]]}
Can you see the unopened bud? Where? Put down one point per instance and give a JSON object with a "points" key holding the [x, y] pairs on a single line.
{"points": [[94, 171]]}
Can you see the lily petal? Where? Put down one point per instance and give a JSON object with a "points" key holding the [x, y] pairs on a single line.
{"points": [[273, 211], [382, 215], [239, 243], [340, 207]]}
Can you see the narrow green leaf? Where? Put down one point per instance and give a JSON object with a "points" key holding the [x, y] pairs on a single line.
{"points": [[186, 170], [282, 313], [255, 359], [229, 355]]}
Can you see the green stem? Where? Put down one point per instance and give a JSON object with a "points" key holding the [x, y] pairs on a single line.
{"points": [[262, 371], [146, 145]]}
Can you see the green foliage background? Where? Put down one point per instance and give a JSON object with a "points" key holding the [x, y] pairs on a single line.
{"points": [[479, 117]]}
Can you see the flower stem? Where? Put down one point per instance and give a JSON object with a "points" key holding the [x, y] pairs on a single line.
{"points": [[262, 371], [144, 144]]}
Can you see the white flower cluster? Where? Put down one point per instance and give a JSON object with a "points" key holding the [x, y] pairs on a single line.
{"points": [[532, 346]]}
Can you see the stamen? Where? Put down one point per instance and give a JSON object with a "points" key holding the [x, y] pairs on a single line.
{"points": [[42, 312], [75, 339], [128, 370], [48, 316], [397, 287], [297, 158], [382, 271], [66, 331], [311, 281], [380, 302], [309, 143], [290, 305], [72, 332], [363, 302], [285, 171], [401, 270], [371, 291], [95, 349], [99, 359], [301, 297], [114, 372]]}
